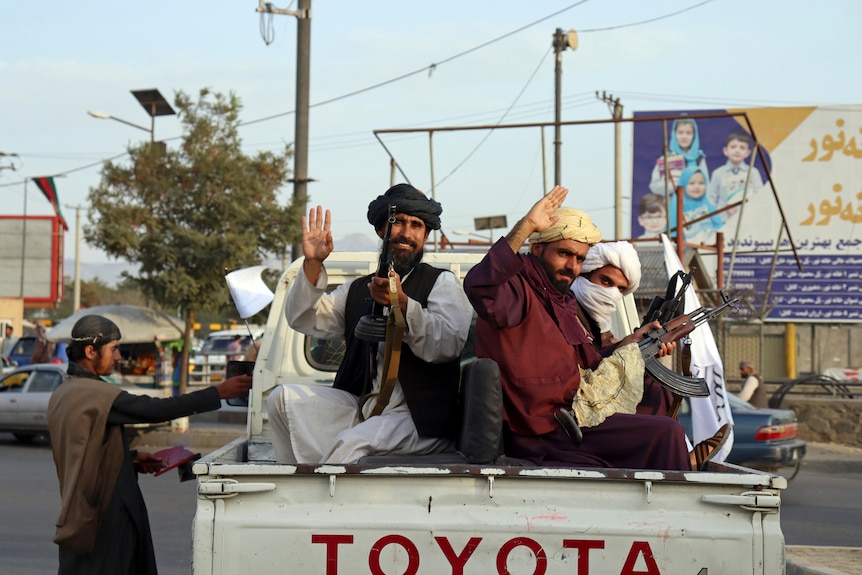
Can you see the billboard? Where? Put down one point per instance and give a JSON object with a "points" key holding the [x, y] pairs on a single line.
{"points": [[807, 167], [31, 257]]}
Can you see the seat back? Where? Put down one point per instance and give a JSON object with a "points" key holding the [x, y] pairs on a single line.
{"points": [[480, 438]]}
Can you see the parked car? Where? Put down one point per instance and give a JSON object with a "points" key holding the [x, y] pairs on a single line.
{"points": [[208, 366], [23, 350], [24, 396], [764, 439]]}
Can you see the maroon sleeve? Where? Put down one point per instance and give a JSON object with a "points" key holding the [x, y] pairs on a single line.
{"points": [[494, 288]]}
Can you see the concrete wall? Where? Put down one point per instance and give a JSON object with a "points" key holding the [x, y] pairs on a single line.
{"points": [[828, 420]]}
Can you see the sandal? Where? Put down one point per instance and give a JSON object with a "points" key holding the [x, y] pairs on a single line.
{"points": [[709, 448]]}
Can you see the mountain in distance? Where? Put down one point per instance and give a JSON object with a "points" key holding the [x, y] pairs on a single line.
{"points": [[109, 272]]}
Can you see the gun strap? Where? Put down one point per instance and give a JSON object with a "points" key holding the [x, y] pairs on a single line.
{"points": [[391, 356], [685, 361]]}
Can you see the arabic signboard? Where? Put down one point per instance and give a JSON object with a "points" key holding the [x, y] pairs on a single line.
{"points": [[814, 159]]}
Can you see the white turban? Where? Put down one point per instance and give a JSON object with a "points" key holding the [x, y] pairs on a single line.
{"points": [[571, 224], [621, 255]]}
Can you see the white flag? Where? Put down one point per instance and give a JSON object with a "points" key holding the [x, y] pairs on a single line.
{"points": [[707, 413], [249, 293]]}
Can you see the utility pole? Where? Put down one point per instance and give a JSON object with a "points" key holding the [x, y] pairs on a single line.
{"points": [[617, 114], [76, 299], [562, 40], [303, 75]]}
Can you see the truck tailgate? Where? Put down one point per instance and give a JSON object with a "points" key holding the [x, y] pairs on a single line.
{"points": [[266, 518]]}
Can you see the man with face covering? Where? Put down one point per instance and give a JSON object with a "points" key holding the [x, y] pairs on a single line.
{"points": [[103, 526], [317, 424], [528, 323], [611, 271]]}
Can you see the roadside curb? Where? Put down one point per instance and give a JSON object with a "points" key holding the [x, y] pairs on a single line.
{"points": [[804, 560]]}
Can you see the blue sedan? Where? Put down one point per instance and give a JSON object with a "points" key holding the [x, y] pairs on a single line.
{"points": [[764, 439]]}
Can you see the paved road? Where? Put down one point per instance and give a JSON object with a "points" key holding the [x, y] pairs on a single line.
{"points": [[821, 507]]}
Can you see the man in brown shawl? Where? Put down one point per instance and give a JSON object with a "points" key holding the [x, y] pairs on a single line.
{"points": [[103, 526]]}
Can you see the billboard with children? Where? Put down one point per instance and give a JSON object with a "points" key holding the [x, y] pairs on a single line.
{"points": [[814, 163]]}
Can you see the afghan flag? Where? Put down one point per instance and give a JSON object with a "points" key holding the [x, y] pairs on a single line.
{"points": [[46, 184]]}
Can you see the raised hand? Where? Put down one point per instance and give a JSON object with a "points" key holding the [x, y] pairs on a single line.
{"points": [[316, 235], [541, 215], [538, 219]]}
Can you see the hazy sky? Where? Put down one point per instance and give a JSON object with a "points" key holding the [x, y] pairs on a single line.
{"points": [[59, 59]]}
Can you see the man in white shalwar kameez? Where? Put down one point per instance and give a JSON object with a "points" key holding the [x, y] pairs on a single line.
{"points": [[316, 424]]}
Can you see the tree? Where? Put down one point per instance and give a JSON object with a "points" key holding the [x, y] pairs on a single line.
{"points": [[188, 215]]}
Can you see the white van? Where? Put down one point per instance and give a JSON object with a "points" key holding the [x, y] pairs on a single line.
{"points": [[209, 363]]}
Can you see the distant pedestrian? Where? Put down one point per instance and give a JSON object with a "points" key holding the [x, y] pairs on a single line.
{"points": [[43, 350], [9, 341], [753, 389], [234, 348]]}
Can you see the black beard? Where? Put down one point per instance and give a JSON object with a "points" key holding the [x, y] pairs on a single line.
{"points": [[562, 285], [404, 260]]}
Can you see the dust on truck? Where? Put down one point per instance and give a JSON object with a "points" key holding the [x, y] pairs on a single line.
{"points": [[469, 512]]}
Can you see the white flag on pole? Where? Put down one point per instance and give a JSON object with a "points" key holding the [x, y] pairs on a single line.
{"points": [[249, 293], [707, 413]]}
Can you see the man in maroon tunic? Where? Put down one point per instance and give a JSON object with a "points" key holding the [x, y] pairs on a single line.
{"points": [[528, 323]]}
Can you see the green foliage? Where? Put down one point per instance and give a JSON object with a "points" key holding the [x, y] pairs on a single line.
{"points": [[187, 214]]}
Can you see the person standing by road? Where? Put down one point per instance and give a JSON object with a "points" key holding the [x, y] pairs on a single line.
{"points": [[753, 390], [103, 526], [9, 341], [43, 350]]}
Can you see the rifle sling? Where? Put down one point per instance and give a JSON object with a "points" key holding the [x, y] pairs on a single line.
{"points": [[391, 356]]}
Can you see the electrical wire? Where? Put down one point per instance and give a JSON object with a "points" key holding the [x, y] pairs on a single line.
{"points": [[429, 68], [500, 120], [647, 21]]}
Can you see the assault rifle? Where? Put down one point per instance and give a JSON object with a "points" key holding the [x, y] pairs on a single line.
{"points": [[671, 331], [372, 327], [666, 308]]}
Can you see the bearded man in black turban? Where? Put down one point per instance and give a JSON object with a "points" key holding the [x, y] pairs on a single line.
{"points": [[316, 424], [405, 250]]}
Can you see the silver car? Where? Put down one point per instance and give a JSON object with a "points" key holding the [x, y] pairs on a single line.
{"points": [[24, 396]]}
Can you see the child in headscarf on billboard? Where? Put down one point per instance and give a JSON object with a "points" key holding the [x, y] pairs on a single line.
{"points": [[695, 204], [683, 151]]}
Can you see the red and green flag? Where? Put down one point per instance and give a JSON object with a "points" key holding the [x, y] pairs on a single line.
{"points": [[46, 184]]}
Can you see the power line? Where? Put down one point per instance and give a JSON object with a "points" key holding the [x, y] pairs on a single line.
{"points": [[500, 120], [647, 21], [429, 68]]}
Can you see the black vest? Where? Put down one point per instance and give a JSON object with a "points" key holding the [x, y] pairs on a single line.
{"points": [[430, 389]]}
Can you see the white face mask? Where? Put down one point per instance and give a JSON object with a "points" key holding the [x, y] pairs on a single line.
{"points": [[600, 302]]}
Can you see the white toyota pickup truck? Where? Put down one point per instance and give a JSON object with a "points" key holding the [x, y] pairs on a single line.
{"points": [[470, 512]]}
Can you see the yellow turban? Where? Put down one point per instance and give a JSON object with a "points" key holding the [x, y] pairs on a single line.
{"points": [[571, 224]]}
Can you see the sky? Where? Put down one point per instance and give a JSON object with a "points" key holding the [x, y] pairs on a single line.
{"points": [[386, 64]]}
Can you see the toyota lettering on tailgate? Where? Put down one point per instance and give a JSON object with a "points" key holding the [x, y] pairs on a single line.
{"points": [[638, 561]]}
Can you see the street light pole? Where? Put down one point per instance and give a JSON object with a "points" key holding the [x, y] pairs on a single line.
{"points": [[105, 116]]}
